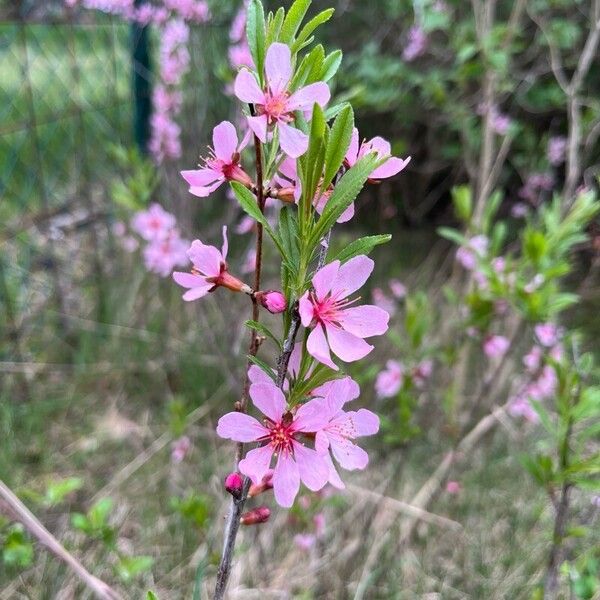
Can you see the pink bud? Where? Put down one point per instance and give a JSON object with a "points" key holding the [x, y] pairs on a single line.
{"points": [[263, 486], [272, 300], [453, 487], [234, 484], [256, 516]]}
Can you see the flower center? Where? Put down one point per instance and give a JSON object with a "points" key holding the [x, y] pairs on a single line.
{"points": [[329, 309], [281, 437], [275, 107]]}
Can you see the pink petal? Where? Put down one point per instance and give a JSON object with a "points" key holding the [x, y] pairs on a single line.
{"points": [[346, 345], [334, 478], [256, 463], [389, 168], [310, 417], [305, 308], [204, 191], [207, 259], [338, 393], [348, 455], [365, 422], [381, 146], [293, 141], [245, 140], [286, 480], [259, 127], [278, 67], [352, 276], [225, 141], [352, 154], [269, 399], [196, 293], [318, 348], [240, 427], [257, 375], [188, 280], [321, 442], [201, 177], [365, 321], [306, 97], [324, 278], [313, 469], [347, 214], [246, 88]]}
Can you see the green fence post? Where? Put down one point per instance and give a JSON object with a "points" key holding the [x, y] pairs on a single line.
{"points": [[142, 85]]}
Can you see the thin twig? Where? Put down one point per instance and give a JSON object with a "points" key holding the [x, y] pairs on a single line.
{"points": [[33, 525]]}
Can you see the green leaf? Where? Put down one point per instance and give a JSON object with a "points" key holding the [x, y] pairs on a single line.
{"points": [[344, 194], [263, 366], [331, 64], [274, 28], [255, 32], [130, 567], [452, 235], [304, 36], [17, 550], [363, 245], [248, 203], [150, 595], [263, 330], [339, 141], [335, 110], [462, 198], [58, 490], [293, 20], [312, 162]]}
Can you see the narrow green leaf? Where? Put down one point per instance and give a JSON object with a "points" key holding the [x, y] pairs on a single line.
{"points": [[343, 195], [310, 68], [339, 141], [310, 27], [255, 32], [314, 160], [293, 20], [274, 28], [151, 595], [452, 235], [248, 203], [263, 330], [363, 245], [331, 64], [263, 366]]}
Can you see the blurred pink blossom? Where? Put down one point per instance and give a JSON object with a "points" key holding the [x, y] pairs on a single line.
{"points": [[417, 43], [495, 346], [557, 147], [398, 288], [180, 448], [389, 381], [453, 487], [547, 334]]}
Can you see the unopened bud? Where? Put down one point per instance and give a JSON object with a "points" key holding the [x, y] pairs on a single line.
{"points": [[263, 486], [234, 484], [256, 516], [272, 300]]}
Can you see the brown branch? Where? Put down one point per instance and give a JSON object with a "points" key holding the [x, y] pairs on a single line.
{"points": [[32, 524]]}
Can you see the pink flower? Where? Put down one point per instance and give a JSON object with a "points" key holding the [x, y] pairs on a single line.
{"points": [[417, 43], [209, 271], [545, 386], [180, 448], [341, 429], [547, 334], [557, 147], [162, 255], [532, 360], [240, 56], [382, 148], [495, 346], [389, 381], [453, 487], [275, 105], [154, 223], [383, 301], [272, 300], [519, 210], [305, 541], [422, 372], [521, 407], [335, 324], [500, 122], [280, 432], [398, 288], [475, 249], [223, 163], [245, 225]]}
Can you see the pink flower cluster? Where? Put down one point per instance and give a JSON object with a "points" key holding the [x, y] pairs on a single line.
{"points": [[535, 186], [543, 379], [475, 249], [165, 248], [390, 381], [239, 52], [284, 432]]}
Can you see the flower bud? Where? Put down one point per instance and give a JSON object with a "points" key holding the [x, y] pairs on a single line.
{"points": [[256, 516], [263, 486], [272, 300], [234, 484]]}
